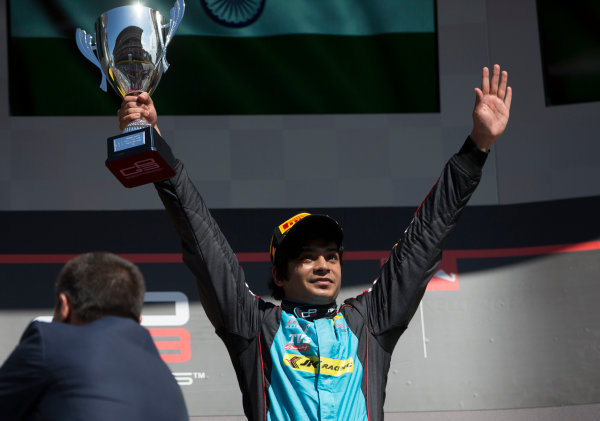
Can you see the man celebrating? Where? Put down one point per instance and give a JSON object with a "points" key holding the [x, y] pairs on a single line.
{"points": [[309, 359], [94, 362]]}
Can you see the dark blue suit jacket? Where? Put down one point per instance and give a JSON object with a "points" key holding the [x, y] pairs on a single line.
{"points": [[109, 369]]}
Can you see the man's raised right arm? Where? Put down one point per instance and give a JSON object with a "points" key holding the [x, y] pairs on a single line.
{"points": [[228, 302]]}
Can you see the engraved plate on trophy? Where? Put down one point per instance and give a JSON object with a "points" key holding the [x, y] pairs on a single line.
{"points": [[130, 51]]}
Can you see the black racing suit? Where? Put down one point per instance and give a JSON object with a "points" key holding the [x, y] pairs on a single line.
{"points": [[314, 363]]}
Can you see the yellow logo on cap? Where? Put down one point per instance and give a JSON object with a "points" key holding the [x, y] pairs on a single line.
{"points": [[290, 222]]}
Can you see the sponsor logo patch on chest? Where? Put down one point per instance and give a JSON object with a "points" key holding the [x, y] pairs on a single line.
{"points": [[311, 364]]}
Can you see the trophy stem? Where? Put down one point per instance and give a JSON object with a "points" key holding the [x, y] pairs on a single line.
{"points": [[136, 125]]}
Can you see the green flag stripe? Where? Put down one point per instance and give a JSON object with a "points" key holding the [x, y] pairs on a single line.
{"points": [[59, 18], [295, 74]]}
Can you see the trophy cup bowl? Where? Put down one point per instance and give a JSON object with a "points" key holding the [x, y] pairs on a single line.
{"points": [[130, 51]]}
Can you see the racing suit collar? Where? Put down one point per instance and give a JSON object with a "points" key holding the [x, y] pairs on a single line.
{"points": [[309, 311]]}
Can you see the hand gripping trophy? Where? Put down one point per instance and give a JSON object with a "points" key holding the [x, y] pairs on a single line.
{"points": [[130, 51]]}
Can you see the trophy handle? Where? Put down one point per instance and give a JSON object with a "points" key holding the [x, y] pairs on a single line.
{"points": [[84, 42], [176, 18], [176, 13]]}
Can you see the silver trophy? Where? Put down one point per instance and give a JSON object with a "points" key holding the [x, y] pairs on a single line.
{"points": [[130, 51]]}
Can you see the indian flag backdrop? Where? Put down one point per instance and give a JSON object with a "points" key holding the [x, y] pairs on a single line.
{"points": [[239, 57]]}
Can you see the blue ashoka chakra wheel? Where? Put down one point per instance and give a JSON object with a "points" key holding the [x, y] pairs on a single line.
{"points": [[233, 13]]}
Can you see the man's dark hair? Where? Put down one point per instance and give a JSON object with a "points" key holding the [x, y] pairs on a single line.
{"points": [[289, 251], [102, 284]]}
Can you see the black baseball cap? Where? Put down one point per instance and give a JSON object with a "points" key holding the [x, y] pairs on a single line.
{"points": [[323, 224]]}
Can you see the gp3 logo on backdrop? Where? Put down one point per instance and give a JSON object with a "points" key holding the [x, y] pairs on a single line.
{"points": [[172, 340]]}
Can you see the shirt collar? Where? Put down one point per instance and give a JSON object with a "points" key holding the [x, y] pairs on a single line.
{"points": [[309, 311]]}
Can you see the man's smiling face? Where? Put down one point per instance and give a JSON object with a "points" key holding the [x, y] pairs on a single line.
{"points": [[315, 276]]}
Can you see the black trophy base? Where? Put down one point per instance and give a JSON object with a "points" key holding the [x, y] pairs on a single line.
{"points": [[140, 157]]}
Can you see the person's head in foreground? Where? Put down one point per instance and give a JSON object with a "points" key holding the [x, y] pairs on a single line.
{"points": [[97, 284]]}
